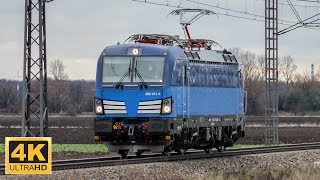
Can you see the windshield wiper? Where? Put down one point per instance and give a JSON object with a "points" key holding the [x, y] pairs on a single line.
{"points": [[140, 77], [119, 83], [136, 72]]}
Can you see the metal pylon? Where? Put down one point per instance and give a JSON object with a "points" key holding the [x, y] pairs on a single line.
{"points": [[34, 102], [271, 72]]}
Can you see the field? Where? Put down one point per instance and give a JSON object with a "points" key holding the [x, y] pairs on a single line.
{"points": [[73, 138], [79, 130]]}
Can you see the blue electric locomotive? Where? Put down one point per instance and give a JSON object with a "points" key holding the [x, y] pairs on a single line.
{"points": [[158, 95]]}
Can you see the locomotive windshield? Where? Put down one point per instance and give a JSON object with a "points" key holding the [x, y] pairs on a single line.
{"points": [[129, 68]]}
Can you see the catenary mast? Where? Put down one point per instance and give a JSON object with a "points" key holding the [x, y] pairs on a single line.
{"points": [[34, 102]]}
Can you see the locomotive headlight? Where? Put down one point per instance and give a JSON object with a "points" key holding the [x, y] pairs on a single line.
{"points": [[98, 109], [98, 106], [135, 52], [166, 106], [166, 110]]}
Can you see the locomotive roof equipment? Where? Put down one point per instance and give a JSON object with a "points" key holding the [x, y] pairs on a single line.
{"points": [[186, 21]]}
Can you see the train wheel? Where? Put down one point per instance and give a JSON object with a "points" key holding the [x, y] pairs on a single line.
{"points": [[208, 150], [181, 151], [123, 153], [221, 148], [166, 153], [139, 153]]}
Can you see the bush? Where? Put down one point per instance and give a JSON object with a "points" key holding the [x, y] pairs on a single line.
{"points": [[300, 102], [72, 109]]}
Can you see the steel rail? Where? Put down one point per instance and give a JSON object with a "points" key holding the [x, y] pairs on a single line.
{"points": [[193, 155]]}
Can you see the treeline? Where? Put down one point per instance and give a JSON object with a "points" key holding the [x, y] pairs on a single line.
{"points": [[298, 91], [64, 96], [10, 96]]}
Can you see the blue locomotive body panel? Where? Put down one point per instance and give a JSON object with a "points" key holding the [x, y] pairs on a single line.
{"points": [[202, 98], [210, 101], [151, 97]]}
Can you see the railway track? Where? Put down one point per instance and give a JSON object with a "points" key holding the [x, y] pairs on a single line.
{"points": [[114, 161]]}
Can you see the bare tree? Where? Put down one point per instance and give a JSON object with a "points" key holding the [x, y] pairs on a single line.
{"points": [[250, 68], [317, 75], [287, 69], [58, 87], [8, 94], [303, 82], [57, 70], [235, 50], [261, 66], [254, 84], [58, 95]]}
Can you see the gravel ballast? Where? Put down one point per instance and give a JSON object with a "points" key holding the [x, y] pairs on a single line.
{"points": [[198, 169]]}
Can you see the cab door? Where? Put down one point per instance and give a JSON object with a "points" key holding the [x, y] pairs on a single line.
{"points": [[184, 94]]}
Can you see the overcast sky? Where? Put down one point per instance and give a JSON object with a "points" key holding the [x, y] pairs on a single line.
{"points": [[78, 30]]}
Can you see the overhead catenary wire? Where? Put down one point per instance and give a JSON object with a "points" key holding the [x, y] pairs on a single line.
{"points": [[294, 11], [223, 14], [299, 5], [237, 11], [295, 5], [314, 1], [300, 24], [255, 17]]}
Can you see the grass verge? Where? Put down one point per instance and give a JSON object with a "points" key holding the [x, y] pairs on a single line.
{"points": [[240, 146], [85, 148], [1, 148], [81, 148]]}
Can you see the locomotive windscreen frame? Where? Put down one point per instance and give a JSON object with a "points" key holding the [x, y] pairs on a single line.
{"points": [[149, 68]]}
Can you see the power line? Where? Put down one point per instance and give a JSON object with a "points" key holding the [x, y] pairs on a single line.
{"points": [[298, 25], [294, 11], [315, 1], [222, 14], [237, 11], [255, 15], [298, 5], [254, 18]]}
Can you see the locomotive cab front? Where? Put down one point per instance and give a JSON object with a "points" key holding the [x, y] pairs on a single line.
{"points": [[133, 104]]}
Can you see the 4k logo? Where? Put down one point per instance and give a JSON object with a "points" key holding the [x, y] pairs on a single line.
{"points": [[28, 155]]}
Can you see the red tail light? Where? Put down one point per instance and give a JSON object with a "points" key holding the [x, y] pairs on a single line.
{"points": [[118, 125], [144, 126]]}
